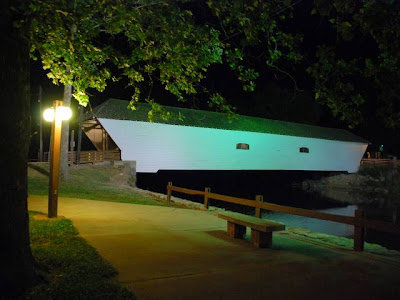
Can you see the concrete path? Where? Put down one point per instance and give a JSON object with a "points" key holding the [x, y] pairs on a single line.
{"points": [[173, 253]]}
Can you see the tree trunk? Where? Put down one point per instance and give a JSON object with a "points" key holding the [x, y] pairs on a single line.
{"points": [[78, 154], [64, 170], [17, 265]]}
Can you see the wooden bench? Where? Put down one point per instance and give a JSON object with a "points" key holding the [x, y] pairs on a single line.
{"points": [[261, 230]]}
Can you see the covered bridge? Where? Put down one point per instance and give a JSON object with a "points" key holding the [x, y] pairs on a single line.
{"points": [[205, 140]]}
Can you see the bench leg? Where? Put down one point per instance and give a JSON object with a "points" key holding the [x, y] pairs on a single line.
{"points": [[261, 239], [236, 231]]}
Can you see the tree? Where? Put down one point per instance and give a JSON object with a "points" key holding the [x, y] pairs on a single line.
{"points": [[16, 260], [172, 43], [357, 72], [85, 43], [64, 36], [79, 41]]}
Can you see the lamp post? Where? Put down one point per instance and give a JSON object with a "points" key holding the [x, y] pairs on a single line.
{"points": [[56, 115]]}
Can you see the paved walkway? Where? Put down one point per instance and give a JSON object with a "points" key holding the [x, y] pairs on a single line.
{"points": [[173, 253]]}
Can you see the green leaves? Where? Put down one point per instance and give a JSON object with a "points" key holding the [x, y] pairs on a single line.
{"points": [[84, 43], [65, 37], [250, 26], [335, 87], [172, 46], [366, 80], [219, 102]]}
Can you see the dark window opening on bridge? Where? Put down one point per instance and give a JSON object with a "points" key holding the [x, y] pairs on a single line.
{"points": [[304, 150], [242, 146]]}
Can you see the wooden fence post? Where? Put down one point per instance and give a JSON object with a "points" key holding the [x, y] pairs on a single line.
{"points": [[206, 201], [169, 192], [259, 198], [358, 231]]}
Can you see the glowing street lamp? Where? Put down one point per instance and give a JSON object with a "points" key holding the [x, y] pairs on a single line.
{"points": [[56, 115]]}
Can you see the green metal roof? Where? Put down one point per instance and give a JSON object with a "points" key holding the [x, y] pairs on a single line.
{"points": [[117, 109]]}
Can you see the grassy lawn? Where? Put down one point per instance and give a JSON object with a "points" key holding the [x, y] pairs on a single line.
{"points": [[89, 182], [70, 267]]}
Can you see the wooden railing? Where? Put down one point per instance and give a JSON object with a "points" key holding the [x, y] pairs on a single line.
{"points": [[91, 156], [358, 221], [94, 156]]}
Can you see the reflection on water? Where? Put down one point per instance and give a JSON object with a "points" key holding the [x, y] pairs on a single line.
{"points": [[340, 195], [323, 203], [317, 225], [385, 239]]}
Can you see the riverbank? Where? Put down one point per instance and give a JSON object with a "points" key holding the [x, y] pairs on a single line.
{"points": [[375, 186]]}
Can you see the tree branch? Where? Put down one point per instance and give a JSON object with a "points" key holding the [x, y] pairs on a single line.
{"points": [[285, 8], [290, 76]]}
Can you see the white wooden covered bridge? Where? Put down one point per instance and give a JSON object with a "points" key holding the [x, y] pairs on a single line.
{"points": [[206, 140]]}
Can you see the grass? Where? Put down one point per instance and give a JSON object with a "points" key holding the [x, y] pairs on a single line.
{"points": [[69, 266], [342, 242], [100, 183]]}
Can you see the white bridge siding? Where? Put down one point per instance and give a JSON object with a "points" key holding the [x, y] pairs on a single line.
{"points": [[156, 146]]}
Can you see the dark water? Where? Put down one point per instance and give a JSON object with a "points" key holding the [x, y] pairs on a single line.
{"points": [[276, 187]]}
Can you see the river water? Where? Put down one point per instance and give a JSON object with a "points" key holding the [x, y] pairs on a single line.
{"points": [[276, 187], [317, 225]]}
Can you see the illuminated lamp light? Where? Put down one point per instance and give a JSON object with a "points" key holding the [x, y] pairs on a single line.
{"points": [[63, 113], [48, 114]]}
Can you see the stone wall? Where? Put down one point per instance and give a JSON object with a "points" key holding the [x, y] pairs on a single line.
{"points": [[128, 168], [378, 185]]}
